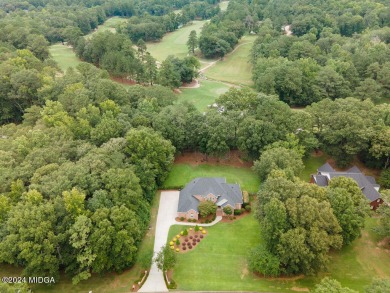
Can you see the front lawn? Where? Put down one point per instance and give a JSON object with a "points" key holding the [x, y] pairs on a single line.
{"points": [[181, 174], [220, 261]]}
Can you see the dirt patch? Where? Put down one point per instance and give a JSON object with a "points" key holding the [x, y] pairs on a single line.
{"points": [[244, 272], [193, 84], [317, 154], [385, 243], [281, 278], [123, 80], [233, 158], [300, 289]]}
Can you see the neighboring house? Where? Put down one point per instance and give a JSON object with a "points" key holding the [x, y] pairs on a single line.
{"points": [[367, 184], [214, 189]]}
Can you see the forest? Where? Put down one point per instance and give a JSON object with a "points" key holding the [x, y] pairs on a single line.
{"points": [[81, 157]]}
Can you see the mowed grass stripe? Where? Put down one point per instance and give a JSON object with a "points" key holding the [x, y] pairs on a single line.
{"points": [[204, 95], [174, 43], [236, 67], [64, 56], [109, 25]]}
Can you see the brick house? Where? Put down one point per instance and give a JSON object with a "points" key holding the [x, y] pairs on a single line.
{"points": [[213, 189], [367, 184]]}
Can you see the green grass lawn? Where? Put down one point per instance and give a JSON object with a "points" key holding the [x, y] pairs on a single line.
{"points": [[204, 95], [174, 43], [220, 262], [64, 56], [236, 67], [181, 174], [109, 25], [223, 5], [110, 282], [312, 163]]}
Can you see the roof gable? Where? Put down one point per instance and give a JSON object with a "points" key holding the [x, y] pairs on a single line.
{"points": [[326, 168], [204, 186]]}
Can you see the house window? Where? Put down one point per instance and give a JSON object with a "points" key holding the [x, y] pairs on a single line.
{"points": [[192, 215], [378, 200]]}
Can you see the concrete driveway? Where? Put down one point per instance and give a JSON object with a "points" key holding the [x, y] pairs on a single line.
{"points": [[167, 212]]}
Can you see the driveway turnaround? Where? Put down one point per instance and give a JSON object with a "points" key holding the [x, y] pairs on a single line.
{"points": [[167, 211]]}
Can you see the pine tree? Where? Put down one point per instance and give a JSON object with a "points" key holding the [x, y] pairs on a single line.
{"points": [[192, 42]]}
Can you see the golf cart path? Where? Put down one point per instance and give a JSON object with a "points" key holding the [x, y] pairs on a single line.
{"points": [[167, 211]]}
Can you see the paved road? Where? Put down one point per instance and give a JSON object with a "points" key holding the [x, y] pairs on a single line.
{"points": [[166, 215]]}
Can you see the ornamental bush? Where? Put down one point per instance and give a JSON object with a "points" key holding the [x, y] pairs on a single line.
{"points": [[185, 232], [196, 228], [227, 210], [171, 243], [248, 208], [177, 249], [177, 242], [201, 236], [182, 219], [237, 212], [198, 240], [206, 208]]}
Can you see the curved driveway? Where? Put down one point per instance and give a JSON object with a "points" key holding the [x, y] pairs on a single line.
{"points": [[167, 212]]}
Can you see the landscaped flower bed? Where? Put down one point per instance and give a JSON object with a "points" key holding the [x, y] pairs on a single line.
{"points": [[188, 239]]}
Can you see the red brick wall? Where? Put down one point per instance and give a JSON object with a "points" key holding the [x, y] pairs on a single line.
{"points": [[187, 215], [376, 203]]}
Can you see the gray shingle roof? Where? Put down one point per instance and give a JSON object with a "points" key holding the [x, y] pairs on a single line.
{"points": [[326, 168], [366, 183], [204, 186], [354, 169], [371, 180], [321, 180], [367, 188]]}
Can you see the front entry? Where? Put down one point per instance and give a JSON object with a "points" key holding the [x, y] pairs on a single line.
{"points": [[219, 212]]}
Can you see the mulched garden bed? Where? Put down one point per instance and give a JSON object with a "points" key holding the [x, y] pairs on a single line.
{"points": [[188, 242]]}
